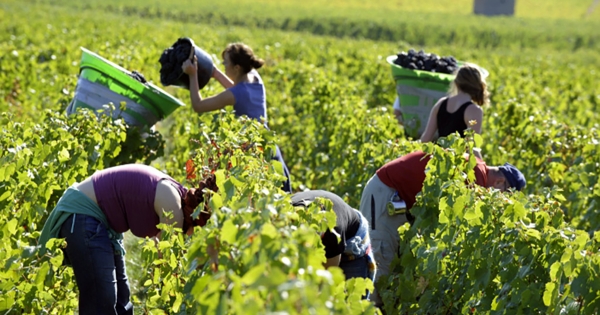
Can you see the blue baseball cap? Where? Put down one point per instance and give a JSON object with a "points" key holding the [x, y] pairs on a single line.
{"points": [[515, 178]]}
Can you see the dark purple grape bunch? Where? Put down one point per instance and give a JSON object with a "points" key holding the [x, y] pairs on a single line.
{"points": [[414, 60], [171, 60]]}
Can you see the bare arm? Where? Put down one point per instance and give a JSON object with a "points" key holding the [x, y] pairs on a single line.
{"points": [[225, 81], [474, 113], [431, 123], [333, 261], [167, 199], [216, 102], [208, 104], [398, 111]]}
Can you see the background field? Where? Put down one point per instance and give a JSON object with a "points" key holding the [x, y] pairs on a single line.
{"points": [[329, 94], [552, 9], [537, 24]]}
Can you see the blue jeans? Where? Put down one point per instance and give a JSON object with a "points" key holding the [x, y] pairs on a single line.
{"points": [[358, 268], [99, 272], [287, 184]]}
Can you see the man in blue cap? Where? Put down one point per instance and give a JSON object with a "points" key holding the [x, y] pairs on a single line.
{"points": [[391, 192]]}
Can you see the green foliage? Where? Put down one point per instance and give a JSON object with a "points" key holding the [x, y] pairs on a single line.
{"points": [[257, 254], [38, 162], [482, 251], [471, 250]]}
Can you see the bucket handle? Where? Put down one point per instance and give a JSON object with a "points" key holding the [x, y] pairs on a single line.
{"points": [[192, 52]]}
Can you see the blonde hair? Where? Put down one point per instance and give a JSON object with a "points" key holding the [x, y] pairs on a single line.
{"points": [[470, 80]]}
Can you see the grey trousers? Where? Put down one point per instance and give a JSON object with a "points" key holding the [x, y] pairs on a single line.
{"points": [[383, 227]]}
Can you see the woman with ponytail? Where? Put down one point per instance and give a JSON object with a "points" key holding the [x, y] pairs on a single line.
{"points": [[93, 215], [457, 111], [244, 89]]}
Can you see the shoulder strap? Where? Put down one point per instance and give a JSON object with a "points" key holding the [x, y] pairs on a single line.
{"points": [[465, 105], [461, 110], [444, 106]]}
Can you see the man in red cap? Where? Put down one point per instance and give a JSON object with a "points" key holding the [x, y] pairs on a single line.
{"points": [[398, 182]]}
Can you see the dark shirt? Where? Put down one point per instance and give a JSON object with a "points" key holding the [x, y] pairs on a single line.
{"points": [[347, 220], [449, 123]]}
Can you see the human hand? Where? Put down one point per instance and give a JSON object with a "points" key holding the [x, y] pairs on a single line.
{"points": [[189, 231], [190, 66]]}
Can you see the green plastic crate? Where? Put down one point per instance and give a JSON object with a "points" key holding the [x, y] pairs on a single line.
{"points": [[418, 91], [146, 103]]}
